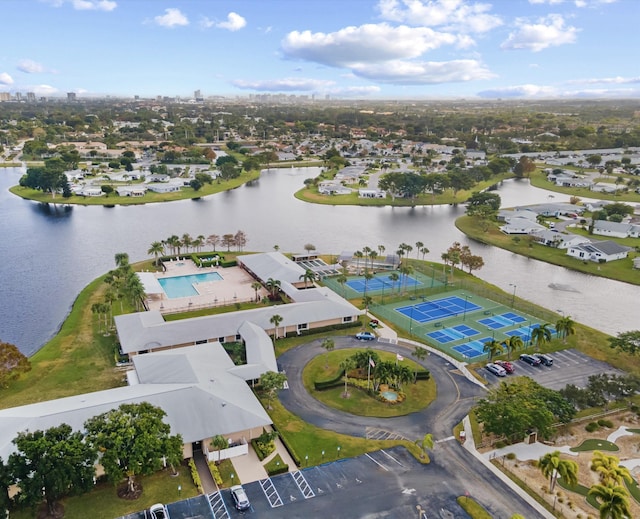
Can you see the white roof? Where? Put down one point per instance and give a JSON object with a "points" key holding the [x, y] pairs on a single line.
{"points": [[195, 386], [272, 265]]}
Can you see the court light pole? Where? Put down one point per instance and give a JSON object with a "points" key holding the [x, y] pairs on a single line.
{"points": [[513, 296], [464, 314]]}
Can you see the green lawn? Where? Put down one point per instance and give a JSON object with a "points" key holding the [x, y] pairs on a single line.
{"points": [[185, 193], [102, 502], [311, 194], [539, 179], [593, 444], [327, 366], [473, 508]]}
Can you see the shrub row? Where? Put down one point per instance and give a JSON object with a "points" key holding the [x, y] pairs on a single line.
{"points": [[323, 329], [338, 380], [215, 473], [594, 426], [262, 450], [195, 476]]}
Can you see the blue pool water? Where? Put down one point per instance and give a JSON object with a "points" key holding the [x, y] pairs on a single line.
{"points": [[182, 286]]}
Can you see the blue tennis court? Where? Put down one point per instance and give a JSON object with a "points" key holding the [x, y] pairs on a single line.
{"points": [[438, 309], [515, 318], [380, 283], [472, 349], [455, 333]]}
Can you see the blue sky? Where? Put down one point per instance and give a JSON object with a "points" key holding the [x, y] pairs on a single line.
{"points": [[376, 49]]}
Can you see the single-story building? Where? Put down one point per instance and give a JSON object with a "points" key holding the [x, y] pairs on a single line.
{"points": [[134, 191], [601, 251], [616, 229], [557, 239], [521, 226]]}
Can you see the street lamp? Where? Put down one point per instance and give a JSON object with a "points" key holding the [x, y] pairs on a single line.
{"points": [[513, 296], [464, 314]]}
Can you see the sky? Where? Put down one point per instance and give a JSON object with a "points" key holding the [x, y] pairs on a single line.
{"points": [[358, 49]]}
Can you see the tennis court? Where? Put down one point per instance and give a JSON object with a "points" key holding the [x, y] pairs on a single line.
{"points": [[455, 333], [376, 283], [438, 309], [501, 321], [473, 348]]}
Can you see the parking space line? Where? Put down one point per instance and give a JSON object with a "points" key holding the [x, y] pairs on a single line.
{"points": [[377, 463], [271, 493], [391, 457], [302, 483], [217, 505]]}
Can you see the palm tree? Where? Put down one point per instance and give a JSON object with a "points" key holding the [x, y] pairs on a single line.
{"points": [[419, 353], [342, 279], [357, 255], [122, 259], [611, 473], [367, 277], [540, 335], [493, 348], [381, 249], [309, 275], [565, 326], [403, 375], [199, 242], [219, 442], [372, 256], [173, 241], [419, 246], [424, 251], [156, 249], [256, 285], [552, 467], [328, 344], [613, 501], [187, 241], [400, 253], [513, 344], [273, 285], [366, 301], [347, 365], [426, 444], [275, 320], [406, 271], [365, 254], [393, 277]]}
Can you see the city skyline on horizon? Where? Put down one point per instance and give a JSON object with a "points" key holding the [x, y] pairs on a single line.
{"points": [[373, 50]]}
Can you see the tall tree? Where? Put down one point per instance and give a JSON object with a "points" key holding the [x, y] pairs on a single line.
{"points": [[6, 481], [565, 326], [156, 249], [133, 440], [493, 348], [12, 363], [276, 319], [270, 383], [425, 444], [309, 275], [540, 335], [552, 467], [328, 344], [628, 342], [347, 365], [256, 285], [213, 240], [513, 344], [419, 353], [54, 463], [614, 501], [609, 469]]}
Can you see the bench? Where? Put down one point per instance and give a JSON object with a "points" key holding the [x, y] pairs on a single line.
{"points": [[487, 312], [438, 325]]}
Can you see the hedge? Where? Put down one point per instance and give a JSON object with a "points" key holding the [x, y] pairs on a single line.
{"points": [[339, 379], [294, 456], [215, 473], [260, 451], [195, 476]]}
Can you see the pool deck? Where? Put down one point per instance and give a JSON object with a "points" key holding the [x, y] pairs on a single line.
{"points": [[235, 286]]}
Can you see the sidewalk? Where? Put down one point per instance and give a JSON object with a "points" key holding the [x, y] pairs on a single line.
{"points": [[208, 484], [469, 444], [249, 468]]}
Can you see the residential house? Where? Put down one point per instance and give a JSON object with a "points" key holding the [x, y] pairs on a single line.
{"points": [[616, 229], [521, 226], [557, 239], [601, 251]]}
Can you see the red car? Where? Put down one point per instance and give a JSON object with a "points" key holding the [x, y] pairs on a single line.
{"points": [[508, 367]]}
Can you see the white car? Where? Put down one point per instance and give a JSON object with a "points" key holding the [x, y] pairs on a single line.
{"points": [[240, 499], [498, 371], [159, 511]]}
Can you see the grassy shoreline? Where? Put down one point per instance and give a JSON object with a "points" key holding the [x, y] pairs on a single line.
{"points": [[619, 270]]}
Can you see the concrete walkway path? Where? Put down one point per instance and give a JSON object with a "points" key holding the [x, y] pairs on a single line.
{"points": [[208, 484]]}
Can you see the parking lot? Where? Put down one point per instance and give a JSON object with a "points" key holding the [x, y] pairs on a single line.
{"points": [[389, 483], [569, 367]]}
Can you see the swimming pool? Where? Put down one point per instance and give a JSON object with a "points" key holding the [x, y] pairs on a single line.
{"points": [[183, 286]]}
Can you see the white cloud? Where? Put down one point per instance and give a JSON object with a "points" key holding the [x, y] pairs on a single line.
{"points": [[549, 31], [284, 84], [618, 80], [459, 15], [423, 72], [366, 44], [86, 5], [172, 18], [234, 22], [30, 66], [577, 3], [5, 79], [43, 90]]}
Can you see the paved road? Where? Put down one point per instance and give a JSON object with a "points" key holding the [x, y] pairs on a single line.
{"points": [[452, 471]]}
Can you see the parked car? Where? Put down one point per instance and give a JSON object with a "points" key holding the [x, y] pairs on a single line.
{"points": [[530, 359], [498, 371], [159, 511], [240, 499], [545, 359], [365, 336], [506, 365]]}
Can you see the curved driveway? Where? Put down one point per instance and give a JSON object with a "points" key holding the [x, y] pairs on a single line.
{"points": [[453, 471], [455, 395]]}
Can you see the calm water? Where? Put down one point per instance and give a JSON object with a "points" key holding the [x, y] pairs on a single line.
{"points": [[49, 253]]}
